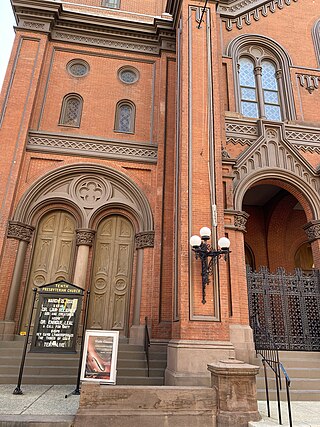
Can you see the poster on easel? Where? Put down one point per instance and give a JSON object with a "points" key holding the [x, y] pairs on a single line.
{"points": [[99, 362]]}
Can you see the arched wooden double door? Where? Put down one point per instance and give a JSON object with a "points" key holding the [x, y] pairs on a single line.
{"points": [[54, 257], [112, 271]]}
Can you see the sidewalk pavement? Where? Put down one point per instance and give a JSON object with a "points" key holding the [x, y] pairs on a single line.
{"points": [[42, 405]]}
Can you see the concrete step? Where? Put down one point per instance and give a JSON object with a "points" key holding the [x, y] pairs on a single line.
{"points": [[300, 355], [303, 369], [46, 368], [294, 373]]}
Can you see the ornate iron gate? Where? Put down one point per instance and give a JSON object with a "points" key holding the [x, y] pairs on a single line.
{"points": [[287, 306]]}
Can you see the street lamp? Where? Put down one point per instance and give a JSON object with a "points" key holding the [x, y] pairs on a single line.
{"points": [[203, 251]]}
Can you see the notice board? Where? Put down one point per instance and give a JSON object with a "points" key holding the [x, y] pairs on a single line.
{"points": [[57, 318]]}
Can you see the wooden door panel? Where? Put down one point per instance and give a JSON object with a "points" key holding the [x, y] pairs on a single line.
{"points": [[53, 255], [112, 274]]}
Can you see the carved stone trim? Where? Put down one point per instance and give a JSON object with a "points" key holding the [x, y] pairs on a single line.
{"points": [[246, 11], [122, 150], [312, 230], [273, 150], [85, 237], [240, 220], [17, 230], [144, 240], [309, 82]]}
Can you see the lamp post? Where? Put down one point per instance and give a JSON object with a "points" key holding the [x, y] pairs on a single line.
{"points": [[207, 255]]}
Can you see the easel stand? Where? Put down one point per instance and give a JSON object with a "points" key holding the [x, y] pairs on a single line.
{"points": [[76, 391], [18, 390]]}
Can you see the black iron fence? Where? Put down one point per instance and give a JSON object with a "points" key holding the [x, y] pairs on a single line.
{"points": [[287, 306]]}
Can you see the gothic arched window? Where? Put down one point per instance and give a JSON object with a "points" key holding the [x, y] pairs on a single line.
{"points": [[262, 81], [125, 117], [259, 90], [316, 39], [71, 110]]}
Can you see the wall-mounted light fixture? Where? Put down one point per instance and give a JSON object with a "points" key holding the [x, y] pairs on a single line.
{"points": [[203, 251]]}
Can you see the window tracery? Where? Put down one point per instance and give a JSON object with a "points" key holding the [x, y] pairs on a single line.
{"points": [[262, 81], [71, 110], [125, 117]]}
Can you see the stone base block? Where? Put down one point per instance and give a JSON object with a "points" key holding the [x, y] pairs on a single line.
{"points": [[235, 385], [188, 359], [241, 337], [125, 406], [7, 330], [137, 335]]}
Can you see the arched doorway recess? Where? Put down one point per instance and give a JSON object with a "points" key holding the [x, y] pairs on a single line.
{"points": [[96, 195], [283, 301]]}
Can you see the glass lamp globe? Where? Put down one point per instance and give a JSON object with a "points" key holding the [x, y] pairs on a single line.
{"points": [[195, 241], [224, 243], [205, 233]]}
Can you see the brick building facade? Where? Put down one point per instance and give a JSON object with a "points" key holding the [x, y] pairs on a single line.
{"points": [[128, 125]]}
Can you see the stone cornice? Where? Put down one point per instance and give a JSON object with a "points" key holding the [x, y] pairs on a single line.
{"points": [[94, 29], [93, 147], [240, 12]]}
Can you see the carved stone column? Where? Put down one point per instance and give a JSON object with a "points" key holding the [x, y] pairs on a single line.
{"points": [[142, 240], [85, 239], [312, 230], [23, 233]]}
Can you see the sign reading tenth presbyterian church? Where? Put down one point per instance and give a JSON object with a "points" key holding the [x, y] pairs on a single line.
{"points": [[57, 318]]}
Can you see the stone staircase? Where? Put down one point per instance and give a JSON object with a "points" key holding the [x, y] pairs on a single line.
{"points": [[303, 369], [55, 369]]}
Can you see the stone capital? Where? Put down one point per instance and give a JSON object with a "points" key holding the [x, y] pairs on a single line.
{"points": [[312, 230], [18, 230], [144, 239], [240, 219], [85, 236]]}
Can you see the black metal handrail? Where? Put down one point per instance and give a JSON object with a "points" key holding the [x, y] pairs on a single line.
{"points": [[147, 344], [268, 350]]}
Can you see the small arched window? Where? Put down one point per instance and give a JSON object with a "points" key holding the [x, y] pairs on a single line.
{"points": [[71, 110], [113, 4], [125, 117]]}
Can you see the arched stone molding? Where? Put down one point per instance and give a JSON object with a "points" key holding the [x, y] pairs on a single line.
{"points": [[89, 189], [307, 196], [271, 50], [316, 39], [273, 158]]}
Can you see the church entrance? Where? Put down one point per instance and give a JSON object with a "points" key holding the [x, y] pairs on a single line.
{"points": [[112, 272], [53, 255], [283, 288]]}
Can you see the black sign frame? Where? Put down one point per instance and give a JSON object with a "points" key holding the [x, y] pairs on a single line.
{"points": [[60, 290]]}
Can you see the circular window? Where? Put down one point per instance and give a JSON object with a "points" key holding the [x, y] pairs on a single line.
{"points": [[78, 68], [128, 75]]}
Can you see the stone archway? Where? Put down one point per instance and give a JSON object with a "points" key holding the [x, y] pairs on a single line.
{"points": [[89, 191]]}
